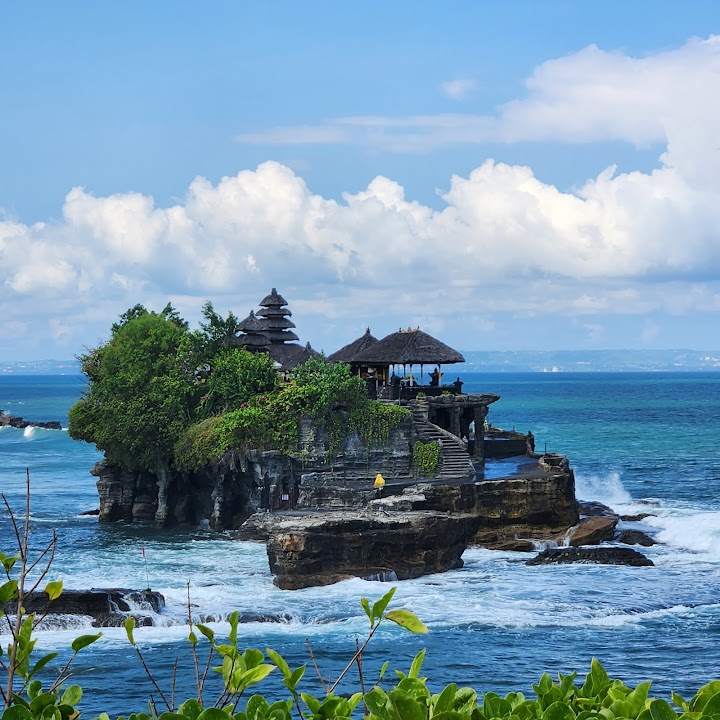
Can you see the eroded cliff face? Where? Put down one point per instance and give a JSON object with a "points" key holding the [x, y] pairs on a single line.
{"points": [[239, 483]]}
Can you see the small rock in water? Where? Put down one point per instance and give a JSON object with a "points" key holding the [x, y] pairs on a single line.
{"points": [[591, 555], [635, 537]]}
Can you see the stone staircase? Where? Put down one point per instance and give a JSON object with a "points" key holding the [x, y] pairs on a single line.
{"points": [[454, 459]]}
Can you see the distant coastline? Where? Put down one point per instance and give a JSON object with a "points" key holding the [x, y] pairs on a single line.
{"points": [[497, 361]]}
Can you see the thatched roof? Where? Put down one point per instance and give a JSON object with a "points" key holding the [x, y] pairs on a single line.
{"points": [[289, 355], [250, 324], [348, 352], [411, 347], [273, 300]]}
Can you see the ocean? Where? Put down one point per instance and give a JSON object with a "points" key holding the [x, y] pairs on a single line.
{"points": [[639, 442]]}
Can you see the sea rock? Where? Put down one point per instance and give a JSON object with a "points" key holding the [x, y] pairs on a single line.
{"points": [[599, 555], [636, 518], [593, 508], [635, 537], [20, 423], [325, 548], [108, 607], [592, 530]]}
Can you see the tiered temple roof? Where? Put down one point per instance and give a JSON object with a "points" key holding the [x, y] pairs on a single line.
{"points": [[269, 331]]}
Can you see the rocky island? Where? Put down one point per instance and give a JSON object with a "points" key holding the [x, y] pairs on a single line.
{"points": [[345, 466]]}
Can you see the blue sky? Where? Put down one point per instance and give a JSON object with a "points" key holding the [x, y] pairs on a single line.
{"points": [[515, 175]]}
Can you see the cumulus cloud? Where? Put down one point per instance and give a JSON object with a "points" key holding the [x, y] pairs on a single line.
{"points": [[504, 242], [588, 96]]}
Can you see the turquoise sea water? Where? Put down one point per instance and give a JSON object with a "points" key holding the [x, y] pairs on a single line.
{"points": [[639, 442]]}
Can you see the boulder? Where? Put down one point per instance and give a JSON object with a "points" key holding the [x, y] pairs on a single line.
{"points": [[635, 537], [592, 508], [592, 530], [324, 548], [586, 556], [636, 518], [108, 607]]}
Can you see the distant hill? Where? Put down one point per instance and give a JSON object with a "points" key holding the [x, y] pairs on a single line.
{"points": [[589, 361], [497, 361], [40, 367]]}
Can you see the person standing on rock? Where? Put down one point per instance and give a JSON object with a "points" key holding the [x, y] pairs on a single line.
{"points": [[530, 443], [471, 438]]}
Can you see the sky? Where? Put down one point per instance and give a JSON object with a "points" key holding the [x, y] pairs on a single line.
{"points": [[516, 175]]}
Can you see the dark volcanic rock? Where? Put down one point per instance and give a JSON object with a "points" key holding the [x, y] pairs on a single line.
{"points": [[325, 548], [20, 423], [635, 537], [599, 555], [636, 518], [593, 508], [107, 607], [593, 530]]}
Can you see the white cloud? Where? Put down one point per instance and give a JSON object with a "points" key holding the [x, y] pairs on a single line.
{"points": [[589, 96], [457, 89], [505, 243]]}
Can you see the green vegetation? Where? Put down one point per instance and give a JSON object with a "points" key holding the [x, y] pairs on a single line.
{"points": [[426, 457], [161, 396]]}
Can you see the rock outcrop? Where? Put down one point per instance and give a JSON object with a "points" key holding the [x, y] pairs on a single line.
{"points": [[20, 423], [591, 555], [635, 537], [326, 548], [592, 530], [107, 607]]}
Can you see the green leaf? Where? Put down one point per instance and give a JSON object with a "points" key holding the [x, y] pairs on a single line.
{"points": [[8, 561], [17, 712], [214, 714], [466, 701], [34, 689], [559, 711], [417, 664], [279, 660], [233, 620], [376, 702], [54, 589], [206, 631], [312, 702], [83, 641], [712, 707], [190, 709], [255, 675], [72, 696], [366, 607], [192, 637], [407, 620], [446, 699], [129, 627], [8, 591], [295, 677], [379, 607], [257, 706], [42, 662], [406, 707], [661, 710], [383, 670], [680, 701]]}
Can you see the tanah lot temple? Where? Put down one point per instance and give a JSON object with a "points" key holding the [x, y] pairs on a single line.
{"points": [[319, 510], [388, 366]]}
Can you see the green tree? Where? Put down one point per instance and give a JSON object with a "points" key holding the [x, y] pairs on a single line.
{"points": [[139, 397], [234, 377]]}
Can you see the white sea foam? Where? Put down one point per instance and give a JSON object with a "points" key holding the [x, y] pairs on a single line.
{"points": [[607, 489], [695, 531]]}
